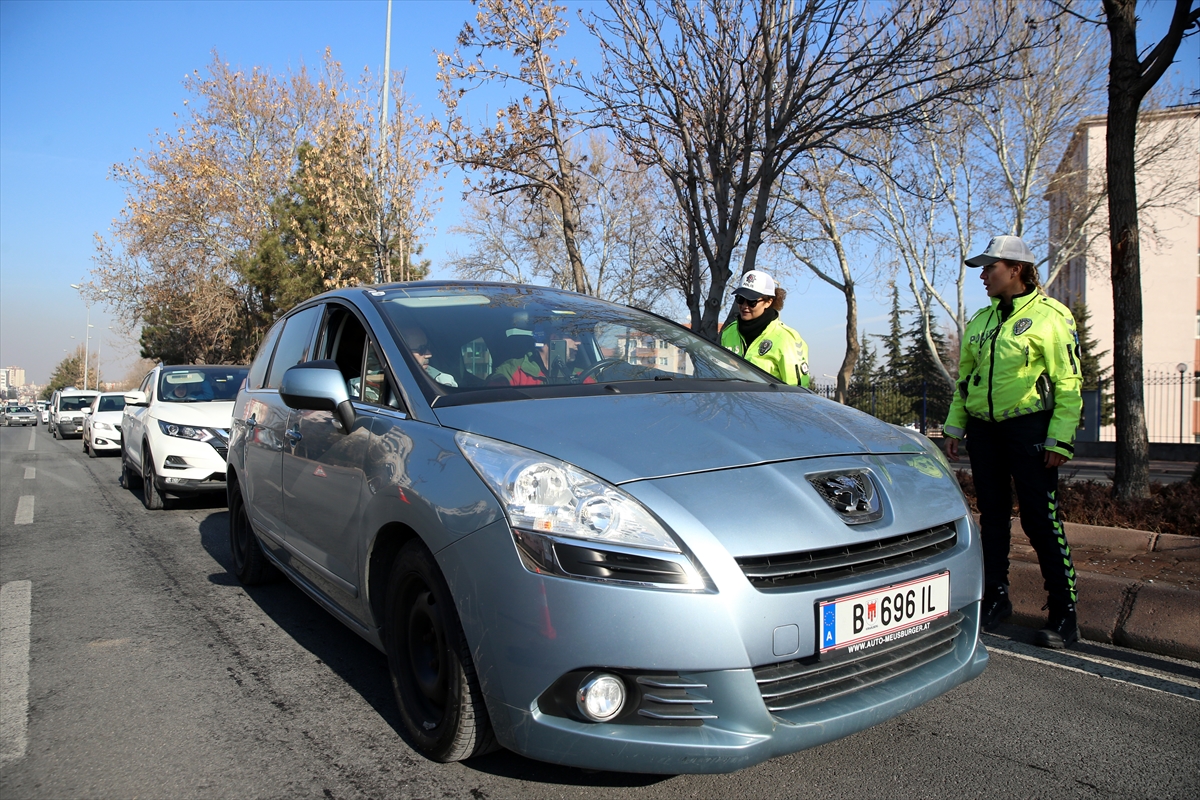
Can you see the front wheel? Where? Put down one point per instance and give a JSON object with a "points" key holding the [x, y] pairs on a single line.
{"points": [[250, 563], [152, 497], [129, 479], [433, 676]]}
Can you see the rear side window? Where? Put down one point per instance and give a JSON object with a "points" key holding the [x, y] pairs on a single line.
{"points": [[258, 368], [294, 343]]}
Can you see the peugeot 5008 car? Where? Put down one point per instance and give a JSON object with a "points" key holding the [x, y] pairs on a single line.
{"points": [[175, 431], [601, 541]]}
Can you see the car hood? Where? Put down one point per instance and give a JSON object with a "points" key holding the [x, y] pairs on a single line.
{"points": [[635, 437], [111, 417], [217, 414]]}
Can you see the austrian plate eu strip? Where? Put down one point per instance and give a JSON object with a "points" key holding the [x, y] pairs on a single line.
{"points": [[870, 619]]}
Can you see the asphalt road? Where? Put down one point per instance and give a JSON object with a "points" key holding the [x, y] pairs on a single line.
{"points": [[134, 665]]}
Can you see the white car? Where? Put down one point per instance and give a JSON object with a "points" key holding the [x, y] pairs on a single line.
{"points": [[102, 427], [175, 431], [68, 407]]}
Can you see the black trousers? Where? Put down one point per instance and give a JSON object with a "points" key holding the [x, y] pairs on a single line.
{"points": [[1006, 453]]}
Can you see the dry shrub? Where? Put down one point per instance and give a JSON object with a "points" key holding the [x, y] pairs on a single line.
{"points": [[1171, 507]]}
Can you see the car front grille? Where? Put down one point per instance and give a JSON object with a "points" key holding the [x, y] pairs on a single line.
{"points": [[798, 684], [222, 450], [798, 569]]}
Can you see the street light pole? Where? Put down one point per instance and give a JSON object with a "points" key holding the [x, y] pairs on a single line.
{"points": [[87, 333], [1182, 367]]}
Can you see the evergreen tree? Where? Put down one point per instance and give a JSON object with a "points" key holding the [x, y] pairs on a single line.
{"points": [[925, 383], [1089, 362], [893, 367]]}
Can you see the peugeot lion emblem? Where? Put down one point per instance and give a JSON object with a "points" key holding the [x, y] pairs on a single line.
{"points": [[850, 493]]}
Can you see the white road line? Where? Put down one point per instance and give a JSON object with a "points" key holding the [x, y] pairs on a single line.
{"points": [[1108, 670], [32, 437], [30, 473], [14, 669], [24, 510]]}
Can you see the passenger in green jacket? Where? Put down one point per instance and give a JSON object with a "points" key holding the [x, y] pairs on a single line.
{"points": [[1017, 405], [758, 335]]}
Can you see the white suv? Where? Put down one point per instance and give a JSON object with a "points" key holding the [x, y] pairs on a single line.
{"points": [[175, 431], [67, 409]]}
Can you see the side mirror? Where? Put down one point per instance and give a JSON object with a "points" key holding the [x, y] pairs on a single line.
{"points": [[135, 398], [318, 386], [87, 410]]}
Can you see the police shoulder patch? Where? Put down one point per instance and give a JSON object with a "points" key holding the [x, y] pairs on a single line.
{"points": [[764, 347], [1022, 325]]}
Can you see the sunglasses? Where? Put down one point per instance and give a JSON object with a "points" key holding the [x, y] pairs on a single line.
{"points": [[422, 350], [745, 301]]}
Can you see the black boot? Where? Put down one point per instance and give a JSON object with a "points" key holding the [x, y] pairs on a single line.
{"points": [[995, 608], [1061, 627]]}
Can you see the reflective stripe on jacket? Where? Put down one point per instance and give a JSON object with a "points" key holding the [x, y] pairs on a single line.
{"points": [[778, 350], [1027, 363]]}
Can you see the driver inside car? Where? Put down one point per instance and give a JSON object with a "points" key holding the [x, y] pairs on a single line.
{"points": [[550, 360]]}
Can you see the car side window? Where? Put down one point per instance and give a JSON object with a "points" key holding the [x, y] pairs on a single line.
{"points": [[147, 384], [377, 388], [342, 340], [258, 368], [294, 343]]}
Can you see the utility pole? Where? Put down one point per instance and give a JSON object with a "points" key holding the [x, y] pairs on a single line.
{"points": [[384, 265]]}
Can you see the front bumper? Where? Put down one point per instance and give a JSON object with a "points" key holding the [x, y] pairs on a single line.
{"points": [[69, 427], [105, 440], [188, 467], [528, 630]]}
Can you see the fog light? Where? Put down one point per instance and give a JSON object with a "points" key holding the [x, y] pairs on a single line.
{"points": [[601, 697]]}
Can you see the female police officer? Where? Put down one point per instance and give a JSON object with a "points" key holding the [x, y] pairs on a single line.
{"points": [[1018, 405], [759, 337]]}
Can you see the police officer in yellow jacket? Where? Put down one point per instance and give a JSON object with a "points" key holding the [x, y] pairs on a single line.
{"points": [[1017, 405], [760, 337]]}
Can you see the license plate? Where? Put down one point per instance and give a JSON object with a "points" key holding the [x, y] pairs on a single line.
{"points": [[883, 616]]}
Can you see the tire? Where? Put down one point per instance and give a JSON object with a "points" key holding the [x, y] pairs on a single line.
{"points": [[152, 497], [54, 431], [433, 677], [91, 451], [250, 563], [129, 479]]}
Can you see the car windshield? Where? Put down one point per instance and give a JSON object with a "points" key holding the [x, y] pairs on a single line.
{"points": [[111, 402], [22, 410], [75, 403], [475, 337], [200, 384]]}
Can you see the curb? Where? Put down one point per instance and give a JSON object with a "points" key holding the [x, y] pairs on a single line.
{"points": [[1140, 615], [1130, 612]]}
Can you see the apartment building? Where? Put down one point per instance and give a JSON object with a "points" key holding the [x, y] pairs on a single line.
{"points": [[1169, 195]]}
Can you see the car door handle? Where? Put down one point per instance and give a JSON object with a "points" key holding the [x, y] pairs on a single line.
{"points": [[293, 436], [251, 421]]}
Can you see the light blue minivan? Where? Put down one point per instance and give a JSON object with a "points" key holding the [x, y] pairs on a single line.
{"points": [[585, 534]]}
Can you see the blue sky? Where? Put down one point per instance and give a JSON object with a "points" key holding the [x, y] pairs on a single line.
{"points": [[85, 84]]}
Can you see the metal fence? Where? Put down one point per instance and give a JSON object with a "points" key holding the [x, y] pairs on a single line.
{"points": [[1171, 401], [1171, 404]]}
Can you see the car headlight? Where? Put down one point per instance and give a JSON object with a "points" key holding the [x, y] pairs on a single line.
{"points": [[102, 426], [187, 432], [570, 523]]}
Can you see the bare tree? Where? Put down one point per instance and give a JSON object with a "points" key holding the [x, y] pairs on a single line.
{"points": [[1131, 76], [621, 216], [822, 211], [725, 95], [528, 149]]}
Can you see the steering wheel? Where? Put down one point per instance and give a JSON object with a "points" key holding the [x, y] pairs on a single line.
{"points": [[598, 367]]}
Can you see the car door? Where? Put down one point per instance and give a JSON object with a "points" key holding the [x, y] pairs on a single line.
{"points": [[323, 464], [133, 422], [264, 418]]}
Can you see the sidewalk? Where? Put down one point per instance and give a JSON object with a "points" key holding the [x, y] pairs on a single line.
{"points": [[1136, 589]]}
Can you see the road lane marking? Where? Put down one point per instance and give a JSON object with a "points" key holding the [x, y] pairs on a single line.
{"points": [[24, 510], [32, 437], [30, 472], [1097, 667], [14, 669]]}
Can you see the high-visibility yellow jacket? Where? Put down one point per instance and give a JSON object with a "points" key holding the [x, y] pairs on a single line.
{"points": [[1026, 363], [778, 350]]}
